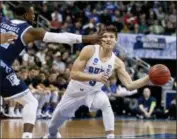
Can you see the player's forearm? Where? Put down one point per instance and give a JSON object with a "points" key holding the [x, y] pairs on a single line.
{"points": [[138, 83], [142, 108], [81, 76], [66, 38]]}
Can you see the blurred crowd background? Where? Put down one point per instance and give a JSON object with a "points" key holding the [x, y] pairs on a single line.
{"points": [[46, 66]]}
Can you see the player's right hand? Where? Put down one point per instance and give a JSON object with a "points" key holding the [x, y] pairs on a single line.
{"points": [[7, 38], [102, 77]]}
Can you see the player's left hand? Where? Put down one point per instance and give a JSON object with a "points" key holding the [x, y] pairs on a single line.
{"points": [[7, 38]]}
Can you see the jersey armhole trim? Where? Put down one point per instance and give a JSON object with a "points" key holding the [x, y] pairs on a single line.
{"points": [[92, 55], [23, 34]]}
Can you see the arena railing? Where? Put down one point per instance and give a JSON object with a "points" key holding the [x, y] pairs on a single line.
{"points": [[43, 22]]}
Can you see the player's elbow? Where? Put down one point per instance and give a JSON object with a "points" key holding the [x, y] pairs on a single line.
{"points": [[73, 75], [130, 87]]}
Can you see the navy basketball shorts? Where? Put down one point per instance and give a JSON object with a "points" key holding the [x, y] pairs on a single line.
{"points": [[10, 84]]}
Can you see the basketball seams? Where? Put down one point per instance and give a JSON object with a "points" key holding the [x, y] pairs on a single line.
{"points": [[156, 69]]}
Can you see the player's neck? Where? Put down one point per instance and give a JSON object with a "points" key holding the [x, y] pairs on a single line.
{"points": [[105, 52], [20, 18]]}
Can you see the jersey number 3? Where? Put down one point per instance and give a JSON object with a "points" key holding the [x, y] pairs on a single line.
{"points": [[95, 71]]}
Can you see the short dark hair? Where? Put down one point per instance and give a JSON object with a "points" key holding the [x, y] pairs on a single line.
{"points": [[22, 8], [112, 29]]}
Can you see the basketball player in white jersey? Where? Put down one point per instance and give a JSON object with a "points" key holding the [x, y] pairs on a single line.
{"points": [[90, 72]]}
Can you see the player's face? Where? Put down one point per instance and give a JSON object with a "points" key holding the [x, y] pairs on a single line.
{"points": [[30, 16], [108, 40]]}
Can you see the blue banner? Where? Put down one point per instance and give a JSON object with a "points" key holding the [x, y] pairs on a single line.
{"points": [[148, 46]]}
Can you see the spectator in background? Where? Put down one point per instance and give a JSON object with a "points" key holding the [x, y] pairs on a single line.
{"points": [[151, 16], [118, 24], [169, 29], [45, 11], [55, 25], [77, 28], [147, 104], [94, 16], [160, 14], [172, 109], [7, 12], [60, 65], [80, 16], [41, 56], [175, 84], [156, 28], [65, 27], [105, 17], [143, 28], [136, 29], [130, 20], [172, 17], [90, 26]]}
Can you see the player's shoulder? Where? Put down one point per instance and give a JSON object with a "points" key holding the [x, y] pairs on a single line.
{"points": [[88, 50], [118, 62]]}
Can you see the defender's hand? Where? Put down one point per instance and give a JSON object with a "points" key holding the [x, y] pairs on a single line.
{"points": [[93, 38], [7, 38]]}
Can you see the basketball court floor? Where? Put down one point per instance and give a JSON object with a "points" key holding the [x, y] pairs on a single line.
{"points": [[93, 128]]}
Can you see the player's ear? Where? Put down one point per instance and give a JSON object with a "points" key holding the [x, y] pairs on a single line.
{"points": [[25, 15]]}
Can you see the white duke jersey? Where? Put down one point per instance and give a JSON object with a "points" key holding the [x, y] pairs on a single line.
{"points": [[94, 66]]}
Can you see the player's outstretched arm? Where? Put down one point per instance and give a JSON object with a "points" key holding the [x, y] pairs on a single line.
{"points": [[7, 38], [126, 80], [33, 34]]}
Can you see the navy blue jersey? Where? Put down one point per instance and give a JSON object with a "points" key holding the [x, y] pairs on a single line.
{"points": [[146, 103], [9, 52]]}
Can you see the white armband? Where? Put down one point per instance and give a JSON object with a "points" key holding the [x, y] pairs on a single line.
{"points": [[66, 38]]}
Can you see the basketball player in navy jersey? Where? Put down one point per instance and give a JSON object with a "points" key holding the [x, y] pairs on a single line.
{"points": [[7, 38], [11, 87]]}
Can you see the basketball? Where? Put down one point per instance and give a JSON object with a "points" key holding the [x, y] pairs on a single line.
{"points": [[159, 74]]}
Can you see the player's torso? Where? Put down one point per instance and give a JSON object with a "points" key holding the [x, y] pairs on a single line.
{"points": [[9, 52], [95, 66]]}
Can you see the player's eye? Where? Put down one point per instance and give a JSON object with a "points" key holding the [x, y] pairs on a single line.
{"points": [[104, 36], [111, 36]]}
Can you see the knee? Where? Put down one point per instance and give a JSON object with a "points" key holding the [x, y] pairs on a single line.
{"points": [[106, 107], [105, 104]]}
